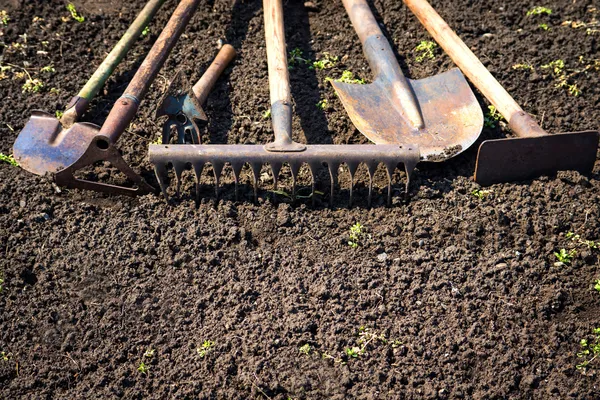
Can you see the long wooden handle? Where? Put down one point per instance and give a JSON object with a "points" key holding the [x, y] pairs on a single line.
{"points": [[520, 122], [202, 88], [279, 80], [362, 19]]}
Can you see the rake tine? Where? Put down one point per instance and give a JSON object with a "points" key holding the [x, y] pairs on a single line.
{"points": [[372, 168], [166, 133], [217, 169], [237, 170], [160, 171], [275, 170], [352, 167], [333, 175], [295, 169], [314, 167], [255, 166], [178, 167], [198, 167]]}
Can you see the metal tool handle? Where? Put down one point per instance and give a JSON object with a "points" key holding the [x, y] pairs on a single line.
{"points": [[382, 59], [279, 79], [519, 121], [79, 103], [126, 107], [204, 85]]}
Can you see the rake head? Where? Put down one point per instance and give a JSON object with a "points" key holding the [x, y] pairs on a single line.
{"points": [[315, 156]]}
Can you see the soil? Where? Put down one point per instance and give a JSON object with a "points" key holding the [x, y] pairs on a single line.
{"points": [[446, 296]]}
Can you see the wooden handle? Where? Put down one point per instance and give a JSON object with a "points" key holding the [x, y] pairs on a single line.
{"points": [[477, 73], [202, 88], [362, 18], [279, 80]]}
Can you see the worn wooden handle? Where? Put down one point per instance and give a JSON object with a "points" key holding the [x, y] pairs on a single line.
{"points": [[202, 88], [362, 18], [279, 80], [521, 123]]}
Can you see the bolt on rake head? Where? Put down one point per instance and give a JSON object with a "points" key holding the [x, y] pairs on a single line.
{"points": [[315, 156]]}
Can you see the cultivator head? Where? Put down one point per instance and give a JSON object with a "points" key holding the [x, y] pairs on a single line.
{"points": [[182, 157]]}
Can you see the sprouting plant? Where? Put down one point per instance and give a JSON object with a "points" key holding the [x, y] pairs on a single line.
{"points": [[539, 11], [597, 285], [544, 27], [266, 114], [48, 68], [4, 17], [32, 85], [425, 47], [322, 104], [557, 66], [5, 356], [585, 242], [149, 353], [396, 343], [3, 70], [305, 349], [54, 90], [523, 67], [1, 282], [205, 348], [491, 117], [143, 368], [347, 77], [565, 256], [58, 114], [590, 350], [296, 57], [352, 352], [74, 14], [328, 61], [481, 193], [10, 159], [356, 235], [146, 31]]}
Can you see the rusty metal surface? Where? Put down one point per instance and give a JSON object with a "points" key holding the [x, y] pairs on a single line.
{"points": [[237, 156], [518, 159]]}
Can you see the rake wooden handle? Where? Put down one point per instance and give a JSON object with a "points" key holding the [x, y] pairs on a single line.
{"points": [[202, 88], [520, 122], [279, 79]]}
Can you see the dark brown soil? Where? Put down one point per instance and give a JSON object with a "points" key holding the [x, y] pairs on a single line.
{"points": [[466, 291]]}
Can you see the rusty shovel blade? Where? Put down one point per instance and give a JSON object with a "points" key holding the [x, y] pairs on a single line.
{"points": [[518, 159], [452, 117]]}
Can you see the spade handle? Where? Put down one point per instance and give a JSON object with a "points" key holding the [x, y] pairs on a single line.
{"points": [[202, 88], [519, 121]]}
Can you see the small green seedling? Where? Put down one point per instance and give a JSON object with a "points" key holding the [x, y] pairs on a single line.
{"points": [[557, 66], [328, 61], [347, 77], [205, 348], [54, 91], [296, 57], [1, 282], [425, 47], [146, 31], [565, 256], [10, 159], [322, 104], [58, 114], [352, 352], [356, 235], [5, 356], [74, 14], [266, 114], [597, 285], [481, 193], [544, 27], [48, 68], [305, 349], [590, 351], [523, 67], [149, 353], [32, 85], [4, 18], [143, 368], [491, 117], [539, 11]]}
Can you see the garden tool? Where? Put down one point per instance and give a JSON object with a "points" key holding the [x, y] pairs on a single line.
{"points": [[283, 149], [440, 114], [184, 107], [533, 152], [63, 151]]}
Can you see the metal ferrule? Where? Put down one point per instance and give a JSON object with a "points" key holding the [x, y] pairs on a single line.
{"points": [[281, 114]]}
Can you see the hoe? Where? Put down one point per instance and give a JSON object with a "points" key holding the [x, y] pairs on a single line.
{"points": [[46, 145], [400, 115], [533, 152]]}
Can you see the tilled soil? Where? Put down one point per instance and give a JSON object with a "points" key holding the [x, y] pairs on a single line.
{"points": [[445, 296]]}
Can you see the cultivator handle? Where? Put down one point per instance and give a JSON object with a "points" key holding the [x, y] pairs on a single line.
{"points": [[79, 103], [205, 84], [519, 121], [126, 107]]}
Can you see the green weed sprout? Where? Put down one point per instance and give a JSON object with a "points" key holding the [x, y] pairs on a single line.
{"points": [[590, 350], [74, 14], [425, 47], [544, 27], [491, 117], [205, 348], [149, 353], [353, 352], [328, 61], [146, 31], [356, 235], [347, 77], [481, 193], [565, 256], [523, 67], [10, 159], [143, 368], [4, 18], [557, 66], [1, 282], [305, 349], [597, 285], [48, 68], [58, 114], [296, 57], [322, 104], [539, 11], [5, 356], [266, 114], [32, 85]]}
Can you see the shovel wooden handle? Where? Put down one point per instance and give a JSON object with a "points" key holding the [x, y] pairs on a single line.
{"points": [[202, 88], [520, 122]]}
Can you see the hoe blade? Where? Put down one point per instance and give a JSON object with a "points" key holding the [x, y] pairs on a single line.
{"points": [[44, 146], [518, 159], [452, 116]]}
